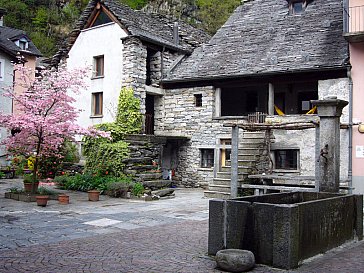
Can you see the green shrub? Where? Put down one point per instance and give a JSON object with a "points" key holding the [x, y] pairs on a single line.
{"points": [[2, 175], [86, 182], [138, 189], [29, 178]]}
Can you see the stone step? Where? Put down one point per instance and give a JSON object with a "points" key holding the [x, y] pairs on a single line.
{"points": [[149, 176], [224, 181], [217, 195], [138, 160], [227, 175], [249, 151], [145, 138], [220, 188], [252, 140], [241, 163], [242, 170], [157, 184]]}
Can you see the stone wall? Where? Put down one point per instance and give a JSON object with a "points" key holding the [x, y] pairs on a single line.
{"points": [[182, 118], [305, 140]]}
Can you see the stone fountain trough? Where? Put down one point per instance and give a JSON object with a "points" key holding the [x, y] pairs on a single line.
{"points": [[284, 229]]}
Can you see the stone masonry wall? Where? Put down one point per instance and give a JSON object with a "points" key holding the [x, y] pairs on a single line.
{"points": [[304, 140], [182, 117]]}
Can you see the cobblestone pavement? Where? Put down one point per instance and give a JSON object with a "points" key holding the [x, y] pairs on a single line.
{"points": [[117, 235]]}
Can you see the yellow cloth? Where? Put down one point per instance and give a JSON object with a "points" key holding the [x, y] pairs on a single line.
{"points": [[279, 111], [312, 111]]}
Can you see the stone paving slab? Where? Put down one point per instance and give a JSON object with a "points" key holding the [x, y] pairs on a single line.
{"points": [[129, 236]]}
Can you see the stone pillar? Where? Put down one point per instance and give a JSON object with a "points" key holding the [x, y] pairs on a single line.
{"points": [[329, 110], [234, 161], [271, 100]]}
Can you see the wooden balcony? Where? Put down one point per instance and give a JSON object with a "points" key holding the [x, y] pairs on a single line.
{"points": [[354, 24]]}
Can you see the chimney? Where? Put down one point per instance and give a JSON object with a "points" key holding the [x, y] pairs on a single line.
{"points": [[175, 33], [2, 13]]}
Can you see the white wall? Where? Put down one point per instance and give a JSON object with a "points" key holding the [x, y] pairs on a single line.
{"points": [[5, 103], [101, 40]]}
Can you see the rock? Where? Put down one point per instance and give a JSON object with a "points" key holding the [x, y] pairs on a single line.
{"points": [[163, 192], [235, 260]]}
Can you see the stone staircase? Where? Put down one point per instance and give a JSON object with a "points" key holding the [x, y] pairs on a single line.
{"points": [[144, 150], [251, 146]]}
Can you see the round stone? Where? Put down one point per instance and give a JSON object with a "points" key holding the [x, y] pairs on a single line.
{"points": [[235, 260]]}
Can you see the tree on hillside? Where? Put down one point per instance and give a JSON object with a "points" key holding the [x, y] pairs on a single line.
{"points": [[46, 115]]}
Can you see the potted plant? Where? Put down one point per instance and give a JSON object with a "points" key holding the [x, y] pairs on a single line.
{"points": [[63, 199], [28, 183], [93, 195], [42, 198]]}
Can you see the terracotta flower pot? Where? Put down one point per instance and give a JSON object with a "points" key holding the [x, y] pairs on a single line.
{"points": [[93, 195], [42, 200], [28, 186], [63, 199]]}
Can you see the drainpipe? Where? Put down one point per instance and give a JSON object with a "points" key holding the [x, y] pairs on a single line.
{"points": [[350, 168]]}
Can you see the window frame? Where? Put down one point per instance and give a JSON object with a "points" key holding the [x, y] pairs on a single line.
{"points": [[292, 9], [97, 97], [289, 169], [207, 163], [2, 70], [99, 67], [198, 100]]}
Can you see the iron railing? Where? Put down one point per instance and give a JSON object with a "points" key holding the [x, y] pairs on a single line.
{"points": [[257, 117]]}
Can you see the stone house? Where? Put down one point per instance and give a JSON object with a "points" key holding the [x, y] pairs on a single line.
{"points": [[266, 63], [271, 57], [15, 46]]}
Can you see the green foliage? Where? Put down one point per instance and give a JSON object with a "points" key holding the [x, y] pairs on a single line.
{"points": [[135, 4], [138, 189], [15, 190], [105, 157], [17, 13], [128, 116], [2, 175], [214, 13], [45, 191], [40, 20], [29, 178], [86, 182]]}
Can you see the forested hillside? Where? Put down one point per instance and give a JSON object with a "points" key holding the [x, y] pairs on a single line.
{"points": [[48, 21]]}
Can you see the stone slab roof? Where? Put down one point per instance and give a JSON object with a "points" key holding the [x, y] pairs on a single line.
{"points": [[262, 37], [148, 27], [8, 36]]}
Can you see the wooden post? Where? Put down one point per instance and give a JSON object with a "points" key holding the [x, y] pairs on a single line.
{"points": [[271, 99], [234, 161]]}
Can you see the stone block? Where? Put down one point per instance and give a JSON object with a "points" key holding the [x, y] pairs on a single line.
{"points": [[216, 226], [235, 260]]}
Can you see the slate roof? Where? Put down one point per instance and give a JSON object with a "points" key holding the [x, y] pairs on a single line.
{"points": [[8, 36], [148, 27], [261, 37]]}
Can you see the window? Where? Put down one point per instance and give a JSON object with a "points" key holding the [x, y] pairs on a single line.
{"points": [[23, 45], [99, 66], [225, 151], [286, 159], [297, 7], [198, 100], [101, 19], [97, 104], [2, 62], [207, 158]]}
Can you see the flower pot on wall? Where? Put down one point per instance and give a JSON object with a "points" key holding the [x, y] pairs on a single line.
{"points": [[93, 195], [42, 200], [28, 186], [63, 199]]}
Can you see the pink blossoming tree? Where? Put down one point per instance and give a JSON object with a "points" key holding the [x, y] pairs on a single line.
{"points": [[45, 116]]}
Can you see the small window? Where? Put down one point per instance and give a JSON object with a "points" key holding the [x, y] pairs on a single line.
{"points": [[286, 159], [101, 19], [198, 100], [99, 66], [97, 104], [207, 158], [23, 45], [2, 69], [297, 7]]}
